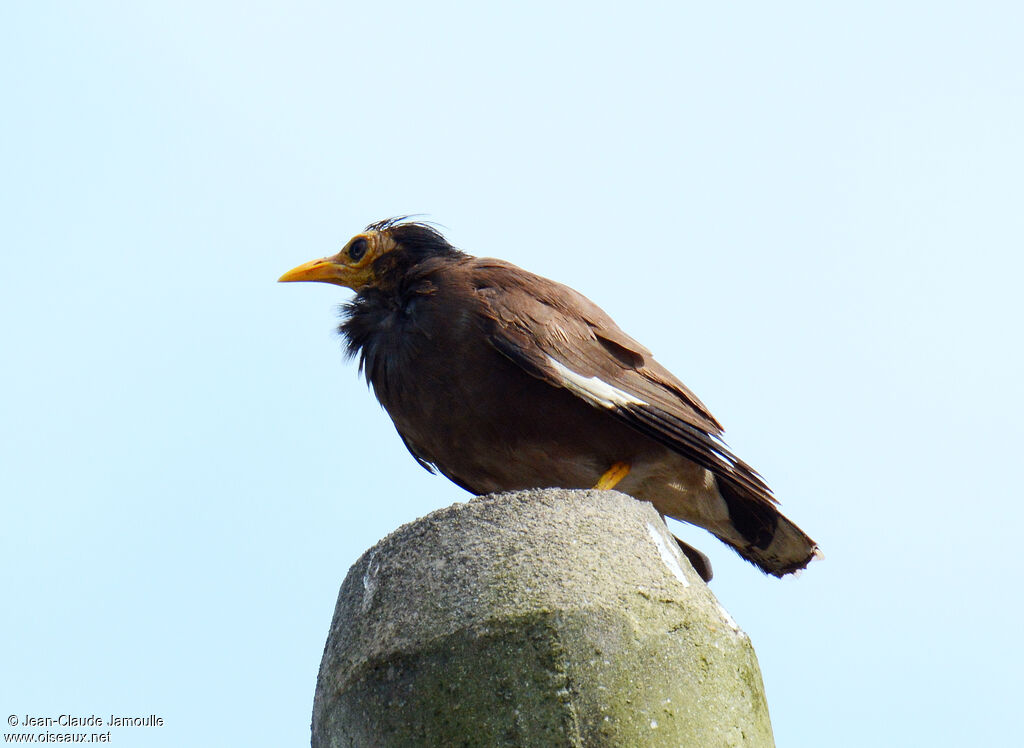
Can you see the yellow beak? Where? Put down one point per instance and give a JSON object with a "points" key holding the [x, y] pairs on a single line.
{"points": [[325, 270]]}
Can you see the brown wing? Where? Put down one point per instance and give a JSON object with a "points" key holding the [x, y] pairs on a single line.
{"points": [[563, 338]]}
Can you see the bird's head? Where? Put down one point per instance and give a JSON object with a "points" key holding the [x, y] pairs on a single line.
{"points": [[375, 257]]}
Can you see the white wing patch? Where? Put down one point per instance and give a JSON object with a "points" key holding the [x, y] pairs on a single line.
{"points": [[592, 389]]}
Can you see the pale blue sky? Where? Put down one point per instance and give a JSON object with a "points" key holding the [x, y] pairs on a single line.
{"points": [[811, 213]]}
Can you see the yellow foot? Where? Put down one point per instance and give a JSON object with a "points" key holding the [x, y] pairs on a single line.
{"points": [[612, 476]]}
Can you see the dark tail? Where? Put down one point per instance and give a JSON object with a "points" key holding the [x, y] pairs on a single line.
{"points": [[762, 534]]}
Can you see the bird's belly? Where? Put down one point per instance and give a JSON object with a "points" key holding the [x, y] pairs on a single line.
{"points": [[501, 429]]}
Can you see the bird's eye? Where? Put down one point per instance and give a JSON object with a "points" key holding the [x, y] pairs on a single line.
{"points": [[357, 249]]}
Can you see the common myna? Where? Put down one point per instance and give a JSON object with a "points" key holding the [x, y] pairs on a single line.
{"points": [[504, 380]]}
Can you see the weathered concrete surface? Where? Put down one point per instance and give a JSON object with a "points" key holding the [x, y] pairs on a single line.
{"points": [[537, 618]]}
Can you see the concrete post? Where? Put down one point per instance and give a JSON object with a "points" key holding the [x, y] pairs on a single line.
{"points": [[535, 618]]}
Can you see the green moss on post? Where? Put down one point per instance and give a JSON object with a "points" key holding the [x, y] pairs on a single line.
{"points": [[537, 618]]}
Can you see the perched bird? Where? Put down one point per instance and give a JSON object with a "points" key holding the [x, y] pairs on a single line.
{"points": [[504, 380]]}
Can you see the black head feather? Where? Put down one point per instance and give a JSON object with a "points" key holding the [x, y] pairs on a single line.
{"points": [[416, 242], [418, 239], [386, 223]]}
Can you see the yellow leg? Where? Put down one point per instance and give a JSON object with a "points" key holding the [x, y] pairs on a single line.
{"points": [[612, 476]]}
